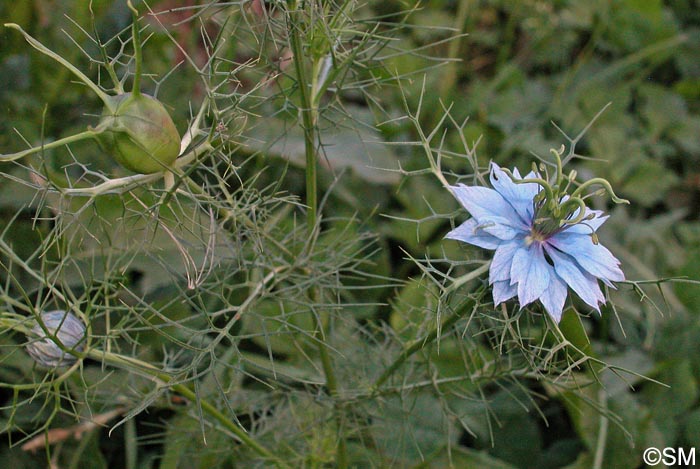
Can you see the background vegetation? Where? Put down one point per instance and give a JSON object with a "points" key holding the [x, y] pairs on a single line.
{"points": [[259, 334]]}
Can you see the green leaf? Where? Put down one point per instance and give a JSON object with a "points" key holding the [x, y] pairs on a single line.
{"points": [[516, 437], [409, 428], [663, 109], [691, 428], [633, 360], [685, 135], [639, 23], [648, 183], [505, 426], [461, 457], [420, 198], [574, 331], [667, 403], [689, 293], [185, 446], [117, 232], [282, 328], [413, 309], [344, 145]]}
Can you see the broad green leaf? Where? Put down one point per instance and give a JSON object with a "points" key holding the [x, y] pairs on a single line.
{"points": [[674, 400], [691, 427], [648, 183], [344, 145], [460, 457], [409, 428], [281, 328], [413, 309], [176, 242], [663, 109], [689, 293]]}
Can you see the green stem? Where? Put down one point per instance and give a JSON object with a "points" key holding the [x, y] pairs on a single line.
{"points": [[48, 146], [136, 39], [308, 119], [123, 184], [309, 114], [128, 363], [106, 62], [332, 386], [606, 185], [48, 52], [130, 444], [242, 435], [468, 277], [225, 215], [449, 75], [420, 343], [602, 431]]}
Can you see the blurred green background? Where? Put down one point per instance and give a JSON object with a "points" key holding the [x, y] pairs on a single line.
{"points": [[512, 68]]}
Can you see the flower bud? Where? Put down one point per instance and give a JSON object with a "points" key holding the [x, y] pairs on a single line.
{"points": [[139, 133], [67, 328]]}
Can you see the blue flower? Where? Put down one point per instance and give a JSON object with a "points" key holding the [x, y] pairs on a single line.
{"points": [[540, 246]]}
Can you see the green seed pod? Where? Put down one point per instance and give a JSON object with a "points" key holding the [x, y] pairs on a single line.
{"points": [[139, 133], [69, 330], [135, 129]]}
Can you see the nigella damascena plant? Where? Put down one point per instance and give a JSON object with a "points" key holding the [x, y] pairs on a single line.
{"points": [[544, 239], [66, 328]]}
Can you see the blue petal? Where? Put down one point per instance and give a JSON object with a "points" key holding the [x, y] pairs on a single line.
{"points": [[503, 260], [531, 272], [501, 228], [503, 291], [593, 258], [469, 232], [519, 196], [554, 296], [483, 202], [584, 284]]}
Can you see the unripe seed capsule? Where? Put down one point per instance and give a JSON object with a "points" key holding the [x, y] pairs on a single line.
{"points": [[139, 133], [68, 329]]}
